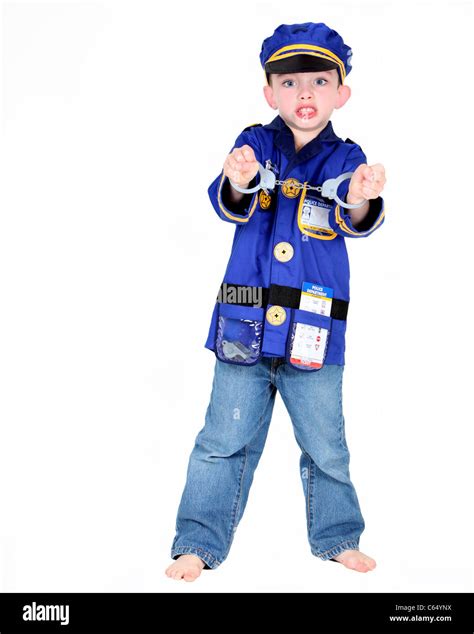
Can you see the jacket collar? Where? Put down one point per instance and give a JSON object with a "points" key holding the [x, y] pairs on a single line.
{"points": [[284, 140]]}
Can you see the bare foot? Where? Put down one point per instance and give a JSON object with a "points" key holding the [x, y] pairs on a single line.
{"points": [[187, 567], [355, 560]]}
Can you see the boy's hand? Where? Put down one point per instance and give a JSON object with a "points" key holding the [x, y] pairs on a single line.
{"points": [[241, 165], [366, 183]]}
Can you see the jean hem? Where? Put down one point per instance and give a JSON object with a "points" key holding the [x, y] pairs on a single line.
{"points": [[207, 558], [336, 550]]}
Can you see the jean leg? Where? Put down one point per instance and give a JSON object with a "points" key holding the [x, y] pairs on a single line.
{"points": [[314, 402], [253, 453], [222, 463]]}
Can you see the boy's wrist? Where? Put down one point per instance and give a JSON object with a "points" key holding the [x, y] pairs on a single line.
{"points": [[353, 200], [236, 196]]}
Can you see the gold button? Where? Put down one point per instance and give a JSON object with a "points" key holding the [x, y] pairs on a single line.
{"points": [[283, 251], [276, 315]]}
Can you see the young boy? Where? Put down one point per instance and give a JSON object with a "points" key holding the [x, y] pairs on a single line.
{"points": [[279, 321]]}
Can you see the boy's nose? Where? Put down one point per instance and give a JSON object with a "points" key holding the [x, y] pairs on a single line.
{"points": [[305, 93]]}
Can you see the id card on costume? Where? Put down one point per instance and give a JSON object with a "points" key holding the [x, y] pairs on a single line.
{"points": [[315, 214], [316, 298], [309, 343]]}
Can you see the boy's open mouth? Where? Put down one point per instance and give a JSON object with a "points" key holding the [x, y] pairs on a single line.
{"points": [[306, 112]]}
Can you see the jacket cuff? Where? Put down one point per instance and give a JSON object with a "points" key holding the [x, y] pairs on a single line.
{"points": [[374, 218], [244, 205]]}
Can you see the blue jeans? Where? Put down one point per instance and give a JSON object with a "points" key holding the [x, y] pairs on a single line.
{"points": [[229, 446]]}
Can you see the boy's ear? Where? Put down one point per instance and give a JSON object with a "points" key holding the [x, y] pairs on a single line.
{"points": [[343, 94], [268, 92]]}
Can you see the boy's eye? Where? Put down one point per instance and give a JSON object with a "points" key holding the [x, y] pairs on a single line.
{"points": [[320, 82]]}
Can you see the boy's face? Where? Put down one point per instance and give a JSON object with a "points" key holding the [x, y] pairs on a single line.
{"points": [[305, 101]]}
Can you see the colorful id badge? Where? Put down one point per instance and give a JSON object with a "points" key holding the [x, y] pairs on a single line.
{"points": [[316, 298], [309, 346], [308, 342]]}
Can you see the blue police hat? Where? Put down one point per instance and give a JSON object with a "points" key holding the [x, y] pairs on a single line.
{"points": [[305, 47]]}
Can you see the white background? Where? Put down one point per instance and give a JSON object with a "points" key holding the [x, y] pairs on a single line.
{"points": [[116, 118]]}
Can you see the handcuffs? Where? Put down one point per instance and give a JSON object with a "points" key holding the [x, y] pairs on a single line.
{"points": [[328, 189]]}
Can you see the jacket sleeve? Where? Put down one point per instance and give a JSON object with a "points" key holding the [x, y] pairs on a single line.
{"points": [[340, 217], [219, 190]]}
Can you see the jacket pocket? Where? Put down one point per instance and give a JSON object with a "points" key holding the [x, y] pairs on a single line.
{"points": [[313, 217], [308, 340], [239, 334]]}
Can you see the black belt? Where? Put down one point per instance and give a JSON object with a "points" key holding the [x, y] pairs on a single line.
{"points": [[277, 295]]}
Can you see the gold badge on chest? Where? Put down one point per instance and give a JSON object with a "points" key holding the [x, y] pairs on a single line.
{"points": [[264, 199], [291, 188]]}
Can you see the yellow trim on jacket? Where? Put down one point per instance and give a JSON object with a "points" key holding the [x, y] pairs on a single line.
{"points": [[341, 222], [226, 212]]}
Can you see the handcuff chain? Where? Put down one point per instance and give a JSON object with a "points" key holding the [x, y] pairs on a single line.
{"points": [[328, 189], [298, 185]]}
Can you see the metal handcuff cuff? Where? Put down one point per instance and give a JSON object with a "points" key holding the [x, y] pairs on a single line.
{"points": [[328, 189]]}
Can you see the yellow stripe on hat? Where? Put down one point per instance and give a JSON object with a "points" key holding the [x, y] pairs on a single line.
{"points": [[309, 49]]}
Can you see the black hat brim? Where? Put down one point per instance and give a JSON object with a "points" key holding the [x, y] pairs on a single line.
{"points": [[299, 64]]}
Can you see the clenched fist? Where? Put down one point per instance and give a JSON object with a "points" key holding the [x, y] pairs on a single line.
{"points": [[241, 166], [366, 183]]}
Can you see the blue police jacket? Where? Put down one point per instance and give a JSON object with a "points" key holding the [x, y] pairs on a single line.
{"points": [[283, 239]]}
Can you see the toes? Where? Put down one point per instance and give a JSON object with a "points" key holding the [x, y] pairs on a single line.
{"points": [[369, 562], [364, 565], [188, 574], [192, 573], [355, 560], [361, 567]]}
